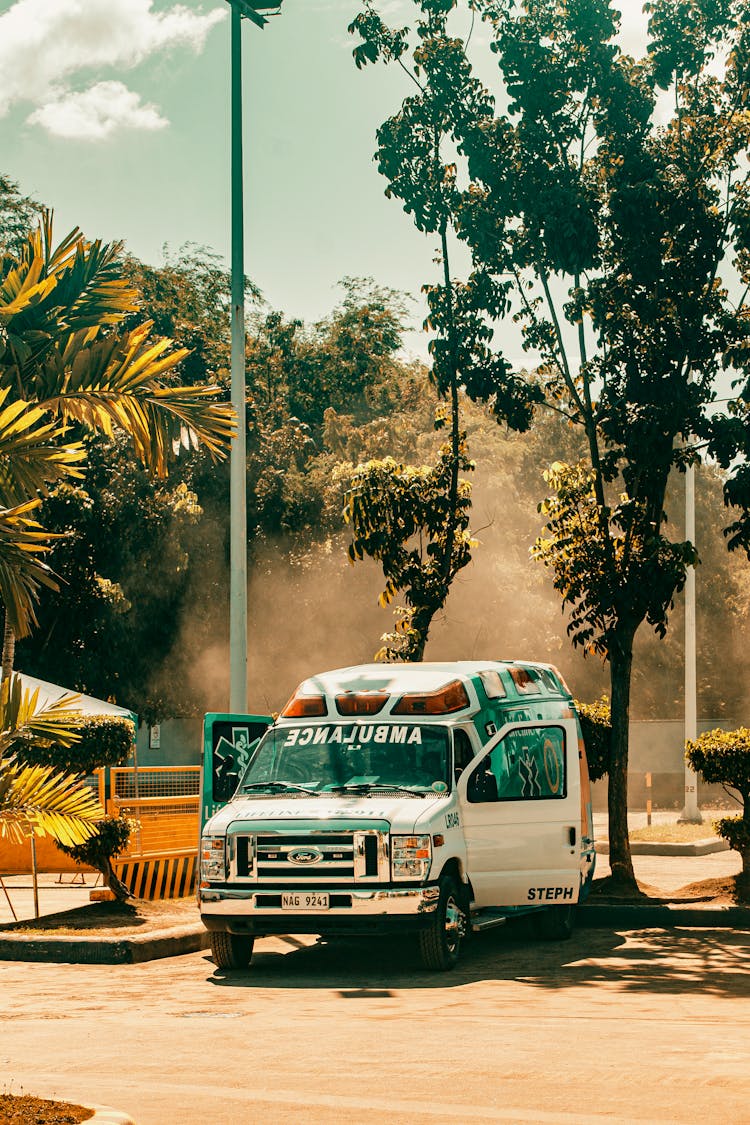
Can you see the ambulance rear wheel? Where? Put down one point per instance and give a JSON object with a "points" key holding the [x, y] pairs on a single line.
{"points": [[231, 951], [555, 923], [440, 944]]}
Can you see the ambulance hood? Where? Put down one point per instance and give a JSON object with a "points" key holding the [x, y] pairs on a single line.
{"points": [[403, 814]]}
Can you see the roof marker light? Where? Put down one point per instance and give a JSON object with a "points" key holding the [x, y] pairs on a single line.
{"points": [[304, 705], [361, 702], [452, 697]]}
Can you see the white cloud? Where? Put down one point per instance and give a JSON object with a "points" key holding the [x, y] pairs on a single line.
{"points": [[96, 113], [45, 45]]}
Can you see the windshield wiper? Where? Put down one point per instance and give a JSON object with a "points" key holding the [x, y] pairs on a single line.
{"points": [[280, 787], [374, 787]]}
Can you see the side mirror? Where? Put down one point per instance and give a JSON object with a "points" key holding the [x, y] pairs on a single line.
{"points": [[474, 788], [482, 787]]}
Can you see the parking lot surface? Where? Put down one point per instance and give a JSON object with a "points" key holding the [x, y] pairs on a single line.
{"points": [[647, 1026]]}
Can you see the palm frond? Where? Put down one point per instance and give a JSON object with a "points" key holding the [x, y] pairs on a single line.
{"points": [[109, 381], [51, 292], [22, 570], [24, 720], [42, 800], [33, 453]]}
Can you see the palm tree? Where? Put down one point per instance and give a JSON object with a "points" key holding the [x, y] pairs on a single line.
{"points": [[67, 362], [65, 351]]}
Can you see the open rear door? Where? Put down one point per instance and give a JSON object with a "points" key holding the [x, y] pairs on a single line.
{"points": [[520, 807], [228, 742]]}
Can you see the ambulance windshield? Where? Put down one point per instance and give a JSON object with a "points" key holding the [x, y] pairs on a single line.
{"points": [[351, 757]]}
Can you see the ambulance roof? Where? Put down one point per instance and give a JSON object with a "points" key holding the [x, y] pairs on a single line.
{"points": [[414, 677]]}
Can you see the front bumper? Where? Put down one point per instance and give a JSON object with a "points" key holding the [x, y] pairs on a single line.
{"points": [[351, 911]]}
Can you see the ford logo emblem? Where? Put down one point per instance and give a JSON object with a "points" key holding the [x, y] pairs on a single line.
{"points": [[304, 856]]}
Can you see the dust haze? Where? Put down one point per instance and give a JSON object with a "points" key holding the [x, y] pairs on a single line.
{"points": [[314, 611]]}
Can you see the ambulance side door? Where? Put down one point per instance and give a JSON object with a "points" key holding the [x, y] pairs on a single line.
{"points": [[520, 807]]}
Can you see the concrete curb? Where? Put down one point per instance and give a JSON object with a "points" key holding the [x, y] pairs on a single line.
{"points": [[645, 847], [661, 916], [103, 1115], [172, 942], [177, 941]]}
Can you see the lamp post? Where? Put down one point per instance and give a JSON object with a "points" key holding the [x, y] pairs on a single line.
{"points": [[257, 13], [691, 813]]}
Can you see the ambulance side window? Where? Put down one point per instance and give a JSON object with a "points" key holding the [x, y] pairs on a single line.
{"points": [[527, 765]]}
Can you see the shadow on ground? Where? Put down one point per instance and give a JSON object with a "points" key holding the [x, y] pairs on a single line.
{"points": [[712, 962]]}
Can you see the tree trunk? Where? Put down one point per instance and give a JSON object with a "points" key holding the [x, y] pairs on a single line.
{"points": [[9, 649], [420, 623], [621, 664], [118, 888]]}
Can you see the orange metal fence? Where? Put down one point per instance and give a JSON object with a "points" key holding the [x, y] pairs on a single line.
{"points": [[161, 857], [164, 803]]}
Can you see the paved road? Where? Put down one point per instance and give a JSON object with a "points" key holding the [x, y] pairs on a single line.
{"points": [[649, 1026]]}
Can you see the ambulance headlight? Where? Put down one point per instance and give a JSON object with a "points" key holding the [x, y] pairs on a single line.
{"points": [[410, 857], [213, 857]]}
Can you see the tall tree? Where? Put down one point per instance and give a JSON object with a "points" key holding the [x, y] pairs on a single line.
{"points": [[604, 197], [416, 153]]}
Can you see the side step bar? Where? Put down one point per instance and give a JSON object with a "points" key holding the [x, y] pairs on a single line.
{"points": [[487, 920]]}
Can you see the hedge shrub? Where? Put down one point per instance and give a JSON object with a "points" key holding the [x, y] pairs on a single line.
{"points": [[110, 840], [723, 757], [596, 727], [104, 740]]}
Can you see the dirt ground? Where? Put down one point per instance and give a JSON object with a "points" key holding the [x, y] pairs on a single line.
{"points": [[730, 890], [110, 919], [23, 1109]]}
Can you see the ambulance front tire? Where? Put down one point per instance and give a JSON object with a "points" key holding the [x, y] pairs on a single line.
{"points": [[440, 944], [231, 951], [555, 923]]}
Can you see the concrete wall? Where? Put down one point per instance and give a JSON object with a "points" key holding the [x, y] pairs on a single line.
{"points": [[658, 747], [180, 743]]}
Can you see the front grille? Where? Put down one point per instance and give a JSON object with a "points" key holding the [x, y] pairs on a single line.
{"points": [[336, 857], [310, 859]]}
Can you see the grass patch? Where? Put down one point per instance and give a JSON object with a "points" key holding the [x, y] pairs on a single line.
{"points": [[674, 833]]}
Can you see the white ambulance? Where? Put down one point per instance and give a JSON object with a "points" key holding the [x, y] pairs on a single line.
{"points": [[416, 799]]}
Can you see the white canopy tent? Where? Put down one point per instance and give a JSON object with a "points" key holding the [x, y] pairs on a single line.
{"points": [[87, 704]]}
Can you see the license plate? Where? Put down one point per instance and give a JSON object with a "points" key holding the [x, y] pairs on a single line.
{"points": [[305, 900]]}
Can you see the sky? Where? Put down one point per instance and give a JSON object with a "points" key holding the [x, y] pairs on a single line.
{"points": [[116, 114]]}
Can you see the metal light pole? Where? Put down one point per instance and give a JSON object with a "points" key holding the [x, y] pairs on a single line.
{"points": [[252, 10], [690, 813]]}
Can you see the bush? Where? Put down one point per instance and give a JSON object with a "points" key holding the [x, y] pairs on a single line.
{"points": [[104, 740], [723, 757], [596, 727], [110, 840]]}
